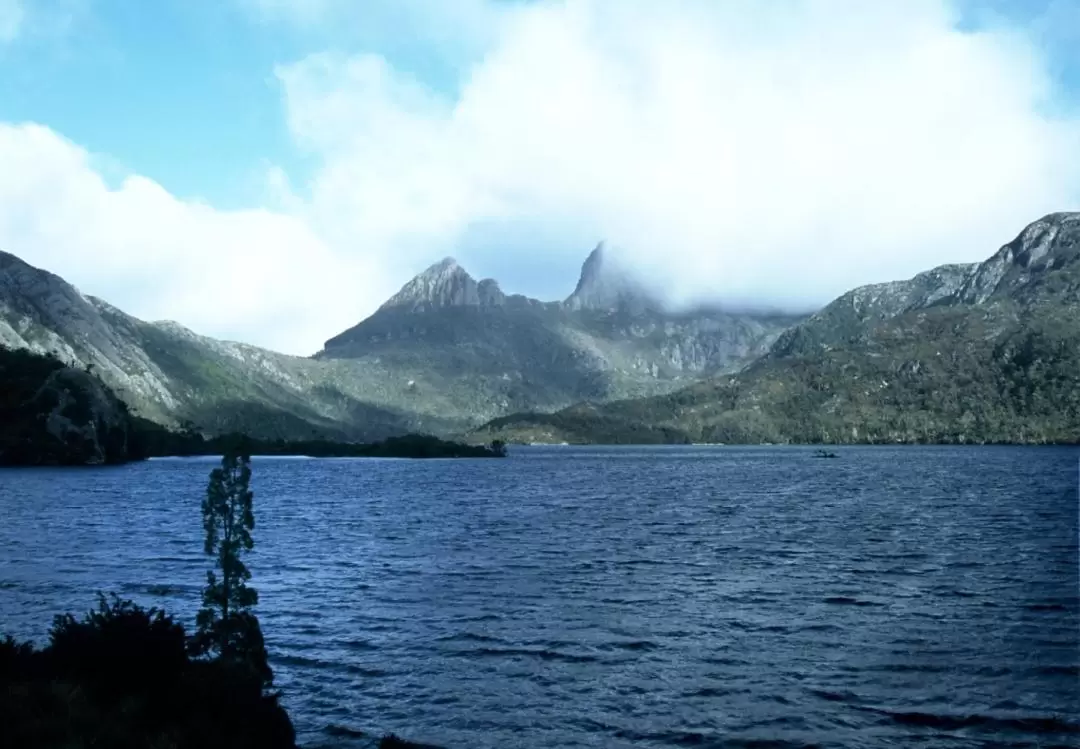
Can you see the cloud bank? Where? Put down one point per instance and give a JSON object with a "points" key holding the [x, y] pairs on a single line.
{"points": [[773, 154], [778, 153], [256, 276]]}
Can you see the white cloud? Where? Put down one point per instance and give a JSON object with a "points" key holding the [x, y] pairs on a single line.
{"points": [[778, 153], [12, 15], [773, 152], [258, 276]]}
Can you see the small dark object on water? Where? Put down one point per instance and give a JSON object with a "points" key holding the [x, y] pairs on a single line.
{"points": [[825, 454]]}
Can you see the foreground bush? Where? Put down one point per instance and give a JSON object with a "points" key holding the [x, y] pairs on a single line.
{"points": [[121, 677]]}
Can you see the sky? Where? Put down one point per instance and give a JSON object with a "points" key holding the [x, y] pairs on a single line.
{"points": [[271, 171]]}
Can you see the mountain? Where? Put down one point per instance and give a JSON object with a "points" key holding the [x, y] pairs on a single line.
{"points": [[169, 374], [443, 355], [491, 353], [986, 352], [604, 286]]}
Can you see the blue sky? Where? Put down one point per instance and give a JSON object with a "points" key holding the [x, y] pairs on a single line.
{"points": [[337, 147]]}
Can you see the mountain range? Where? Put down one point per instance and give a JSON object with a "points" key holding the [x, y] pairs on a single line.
{"points": [[982, 352], [444, 355], [961, 353]]}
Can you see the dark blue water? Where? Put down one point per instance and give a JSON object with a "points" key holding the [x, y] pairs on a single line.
{"points": [[666, 597]]}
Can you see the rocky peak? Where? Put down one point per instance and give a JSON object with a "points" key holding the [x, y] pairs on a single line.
{"points": [[444, 284], [605, 286], [490, 294], [1048, 244]]}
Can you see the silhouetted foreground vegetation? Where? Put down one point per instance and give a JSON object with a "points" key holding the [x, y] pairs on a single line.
{"points": [[125, 677], [122, 677]]}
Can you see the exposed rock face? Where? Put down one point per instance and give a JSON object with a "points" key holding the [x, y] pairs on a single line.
{"points": [[490, 294], [1014, 271], [1050, 243], [604, 286], [442, 355], [963, 353], [607, 340], [169, 374], [445, 284], [41, 312]]}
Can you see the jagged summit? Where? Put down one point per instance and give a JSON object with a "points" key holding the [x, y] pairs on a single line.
{"points": [[445, 284], [1050, 243], [446, 263], [603, 285]]}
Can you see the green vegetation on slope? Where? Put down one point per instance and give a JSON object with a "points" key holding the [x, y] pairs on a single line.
{"points": [[51, 414], [986, 353], [438, 367]]}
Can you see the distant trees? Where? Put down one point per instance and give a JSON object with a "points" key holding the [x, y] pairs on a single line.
{"points": [[156, 440], [226, 625]]}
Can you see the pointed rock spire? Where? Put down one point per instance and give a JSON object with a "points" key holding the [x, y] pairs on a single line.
{"points": [[604, 286]]}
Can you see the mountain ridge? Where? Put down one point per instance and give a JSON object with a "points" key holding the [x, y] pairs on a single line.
{"points": [[444, 354], [981, 352], [961, 352], [607, 339]]}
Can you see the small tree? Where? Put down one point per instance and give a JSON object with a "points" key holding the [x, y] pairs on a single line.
{"points": [[226, 625]]}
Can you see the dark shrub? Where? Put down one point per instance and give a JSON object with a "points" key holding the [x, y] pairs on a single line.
{"points": [[118, 646], [17, 659], [225, 705], [121, 678]]}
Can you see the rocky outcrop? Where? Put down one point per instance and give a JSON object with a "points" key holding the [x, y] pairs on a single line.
{"points": [[609, 339], [605, 286], [986, 352], [171, 375], [1014, 272], [442, 355], [489, 293], [445, 284], [43, 313], [1052, 242]]}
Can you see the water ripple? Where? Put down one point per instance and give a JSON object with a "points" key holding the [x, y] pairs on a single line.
{"points": [[625, 598]]}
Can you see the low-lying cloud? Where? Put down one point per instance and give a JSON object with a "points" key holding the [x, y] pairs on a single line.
{"points": [[771, 153], [255, 275]]}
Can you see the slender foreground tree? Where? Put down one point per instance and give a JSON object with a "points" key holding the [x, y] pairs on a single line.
{"points": [[226, 625]]}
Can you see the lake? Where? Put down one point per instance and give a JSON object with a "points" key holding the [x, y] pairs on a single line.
{"points": [[612, 597]]}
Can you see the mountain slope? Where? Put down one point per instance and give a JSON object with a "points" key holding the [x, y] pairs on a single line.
{"points": [[169, 374], [496, 353], [442, 356], [51, 414], [970, 353]]}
